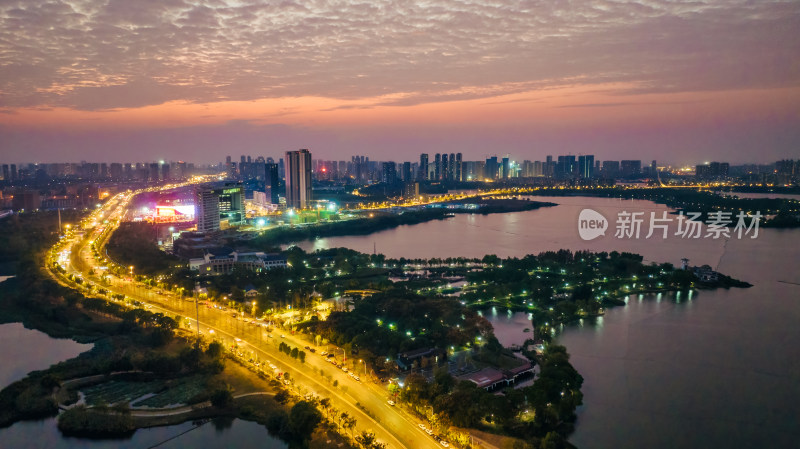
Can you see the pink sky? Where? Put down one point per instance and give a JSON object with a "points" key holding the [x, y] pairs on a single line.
{"points": [[681, 82]]}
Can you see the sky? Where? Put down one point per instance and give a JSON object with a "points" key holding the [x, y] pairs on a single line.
{"points": [[121, 80]]}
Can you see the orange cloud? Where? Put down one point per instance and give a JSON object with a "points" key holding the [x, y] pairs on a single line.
{"points": [[573, 105]]}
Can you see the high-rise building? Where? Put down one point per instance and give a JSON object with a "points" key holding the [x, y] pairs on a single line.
{"points": [[506, 168], [566, 167], [549, 167], [154, 175], [115, 170], [6, 173], [586, 166], [411, 190], [389, 175], [272, 182], [445, 173], [490, 168], [538, 168], [423, 166], [298, 179], [437, 161], [206, 209], [629, 168], [459, 168], [714, 170], [787, 170], [406, 172], [231, 202], [610, 169]]}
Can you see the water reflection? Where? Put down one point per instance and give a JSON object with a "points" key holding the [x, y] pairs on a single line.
{"points": [[221, 433], [29, 350]]}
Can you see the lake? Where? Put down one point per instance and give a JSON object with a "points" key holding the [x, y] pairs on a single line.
{"points": [[721, 369], [219, 433], [24, 350]]}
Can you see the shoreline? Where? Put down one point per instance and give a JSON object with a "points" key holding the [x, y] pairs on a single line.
{"points": [[383, 221]]}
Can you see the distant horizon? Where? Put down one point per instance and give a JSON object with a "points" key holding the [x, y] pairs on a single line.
{"points": [[236, 159]]}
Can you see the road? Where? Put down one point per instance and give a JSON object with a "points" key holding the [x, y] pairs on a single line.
{"points": [[391, 424]]}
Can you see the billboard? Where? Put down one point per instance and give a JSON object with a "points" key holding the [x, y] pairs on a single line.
{"points": [[172, 213]]}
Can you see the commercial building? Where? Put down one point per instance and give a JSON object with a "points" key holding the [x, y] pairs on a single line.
{"points": [[206, 203], [411, 190], [215, 204], [586, 166], [712, 171], [423, 167], [630, 168], [222, 261], [298, 179]]}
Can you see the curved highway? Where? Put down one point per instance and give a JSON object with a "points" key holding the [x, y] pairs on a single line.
{"points": [[364, 400]]}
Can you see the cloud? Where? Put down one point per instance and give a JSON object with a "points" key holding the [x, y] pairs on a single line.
{"points": [[92, 55]]}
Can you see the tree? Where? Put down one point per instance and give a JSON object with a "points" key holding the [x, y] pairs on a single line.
{"points": [[326, 404], [303, 419], [394, 389], [302, 356], [366, 439], [221, 397], [215, 350], [349, 424], [552, 441], [282, 396]]}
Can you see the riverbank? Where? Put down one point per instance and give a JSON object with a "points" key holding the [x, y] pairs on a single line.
{"points": [[378, 220], [775, 212]]}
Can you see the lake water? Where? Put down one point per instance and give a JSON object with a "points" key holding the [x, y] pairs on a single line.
{"points": [[219, 433], [24, 350], [721, 369]]}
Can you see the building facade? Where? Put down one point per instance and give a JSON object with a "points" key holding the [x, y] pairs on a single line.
{"points": [[298, 179]]}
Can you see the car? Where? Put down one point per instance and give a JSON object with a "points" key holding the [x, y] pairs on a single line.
{"points": [[283, 336], [390, 402], [269, 335], [429, 432], [306, 347], [444, 443], [312, 350], [323, 353], [421, 426], [358, 379]]}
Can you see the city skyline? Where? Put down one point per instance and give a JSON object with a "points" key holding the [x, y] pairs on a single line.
{"points": [[682, 82]]}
